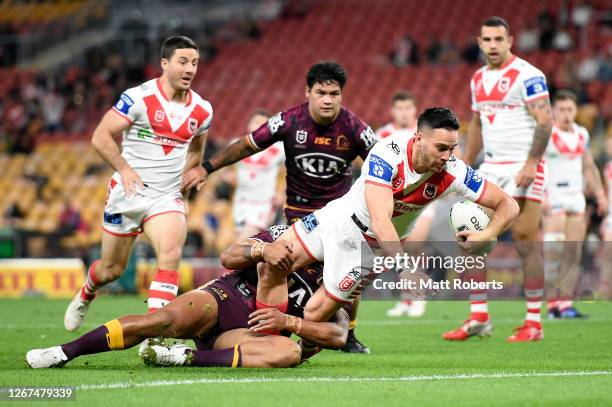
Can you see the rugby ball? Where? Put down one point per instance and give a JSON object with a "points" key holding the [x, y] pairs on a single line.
{"points": [[466, 215]]}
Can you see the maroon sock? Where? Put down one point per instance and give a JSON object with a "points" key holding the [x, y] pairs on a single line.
{"points": [[92, 342], [230, 357]]}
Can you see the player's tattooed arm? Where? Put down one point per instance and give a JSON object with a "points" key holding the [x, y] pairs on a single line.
{"points": [[251, 251], [232, 153], [474, 141], [540, 110]]}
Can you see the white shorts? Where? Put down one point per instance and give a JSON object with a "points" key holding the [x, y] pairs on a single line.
{"points": [[258, 214], [330, 235], [125, 216], [503, 174], [562, 200]]}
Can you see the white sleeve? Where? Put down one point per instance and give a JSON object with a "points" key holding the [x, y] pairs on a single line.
{"points": [[533, 84], [206, 123], [468, 181], [474, 104], [380, 166], [130, 104]]}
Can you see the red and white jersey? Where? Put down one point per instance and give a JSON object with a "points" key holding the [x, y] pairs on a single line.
{"points": [[156, 143], [389, 164], [564, 158], [390, 128], [257, 175], [500, 97]]}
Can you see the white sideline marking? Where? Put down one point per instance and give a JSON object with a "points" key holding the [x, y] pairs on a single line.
{"points": [[349, 379]]}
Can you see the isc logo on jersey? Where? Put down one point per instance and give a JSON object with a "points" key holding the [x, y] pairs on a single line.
{"points": [[124, 103], [320, 165], [379, 168]]}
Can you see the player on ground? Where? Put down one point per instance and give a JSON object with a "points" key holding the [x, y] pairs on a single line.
{"points": [[256, 185], [404, 120], [221, 317], [399, 178], [569, 163], [321, 139], [164, 125], [512, 120]]}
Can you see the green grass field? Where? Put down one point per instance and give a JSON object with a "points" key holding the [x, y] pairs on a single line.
{"points": [[409, 363]]}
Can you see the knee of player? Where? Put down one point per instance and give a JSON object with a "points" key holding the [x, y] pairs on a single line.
{"points": [[171, 254]]}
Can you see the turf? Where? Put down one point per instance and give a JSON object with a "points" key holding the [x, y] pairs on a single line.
{"points": [[409, 363]]}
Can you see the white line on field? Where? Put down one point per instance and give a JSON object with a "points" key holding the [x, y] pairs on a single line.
{"points": [[331, 379]]}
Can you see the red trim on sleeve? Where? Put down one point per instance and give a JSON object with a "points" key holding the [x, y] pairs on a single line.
{"points": [[124, 116], [333, 297], [303, 244], [379, 184], [483, 191], [537, 97]]}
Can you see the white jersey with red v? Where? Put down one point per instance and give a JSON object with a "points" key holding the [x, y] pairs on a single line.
{"points": [[500, 97], [156, 143], [389, 165]]}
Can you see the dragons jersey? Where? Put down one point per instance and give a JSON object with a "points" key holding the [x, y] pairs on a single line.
{"points": [[389, 164], [564, 158], [390, 128], [500, 97], [156, 143], [257, 175]]}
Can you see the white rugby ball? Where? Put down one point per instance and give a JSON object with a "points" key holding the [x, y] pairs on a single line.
{"points": [[466, 215]]}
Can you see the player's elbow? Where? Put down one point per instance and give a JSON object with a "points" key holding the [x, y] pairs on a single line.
{"points": [[335, 338], [228, 259]]}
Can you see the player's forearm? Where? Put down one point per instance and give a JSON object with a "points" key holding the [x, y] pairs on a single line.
{"points": [[238, 256], [504, 214], [105, 145], [196, 152], [232, 153], [594, 185], [328, 335], [540, 141], [474, 142], [387, 236]]}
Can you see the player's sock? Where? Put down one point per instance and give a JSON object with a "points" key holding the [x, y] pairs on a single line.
{"points": [[479, 309], [353, 324], [102, 339], [407, 302], [92, 283], [163, 289], [282, 307], [534, 307], [230, 357], [552, 304]]}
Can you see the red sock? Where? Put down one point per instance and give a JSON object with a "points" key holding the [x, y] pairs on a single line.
{"points": [[92, 283], [282, 307], [163, 289]]}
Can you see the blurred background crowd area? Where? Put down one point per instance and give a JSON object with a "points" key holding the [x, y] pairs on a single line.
{"points": [[64, 63]]}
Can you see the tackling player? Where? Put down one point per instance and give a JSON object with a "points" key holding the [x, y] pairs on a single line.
{"points": [[164, 125], [512, 120], [321, 139], [221, 317], [399, 178], [569, 162]]}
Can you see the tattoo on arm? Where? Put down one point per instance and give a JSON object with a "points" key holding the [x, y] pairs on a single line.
{"points": [[232, 153], [540, 110]]}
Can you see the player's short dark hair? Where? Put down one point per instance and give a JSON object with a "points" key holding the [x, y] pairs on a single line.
{"points": [[171, 44], [438, 118], [564, 94], [496, 21], [261, 112], [326, 71], [403, 95]]}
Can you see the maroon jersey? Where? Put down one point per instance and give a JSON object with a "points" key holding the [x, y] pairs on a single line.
{"points": [[318, 158]]}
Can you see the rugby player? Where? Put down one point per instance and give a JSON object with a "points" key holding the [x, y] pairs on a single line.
{"points": [[222, 319]]}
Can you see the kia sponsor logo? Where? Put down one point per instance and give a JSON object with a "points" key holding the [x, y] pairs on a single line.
{"points": [[320, 165]]}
